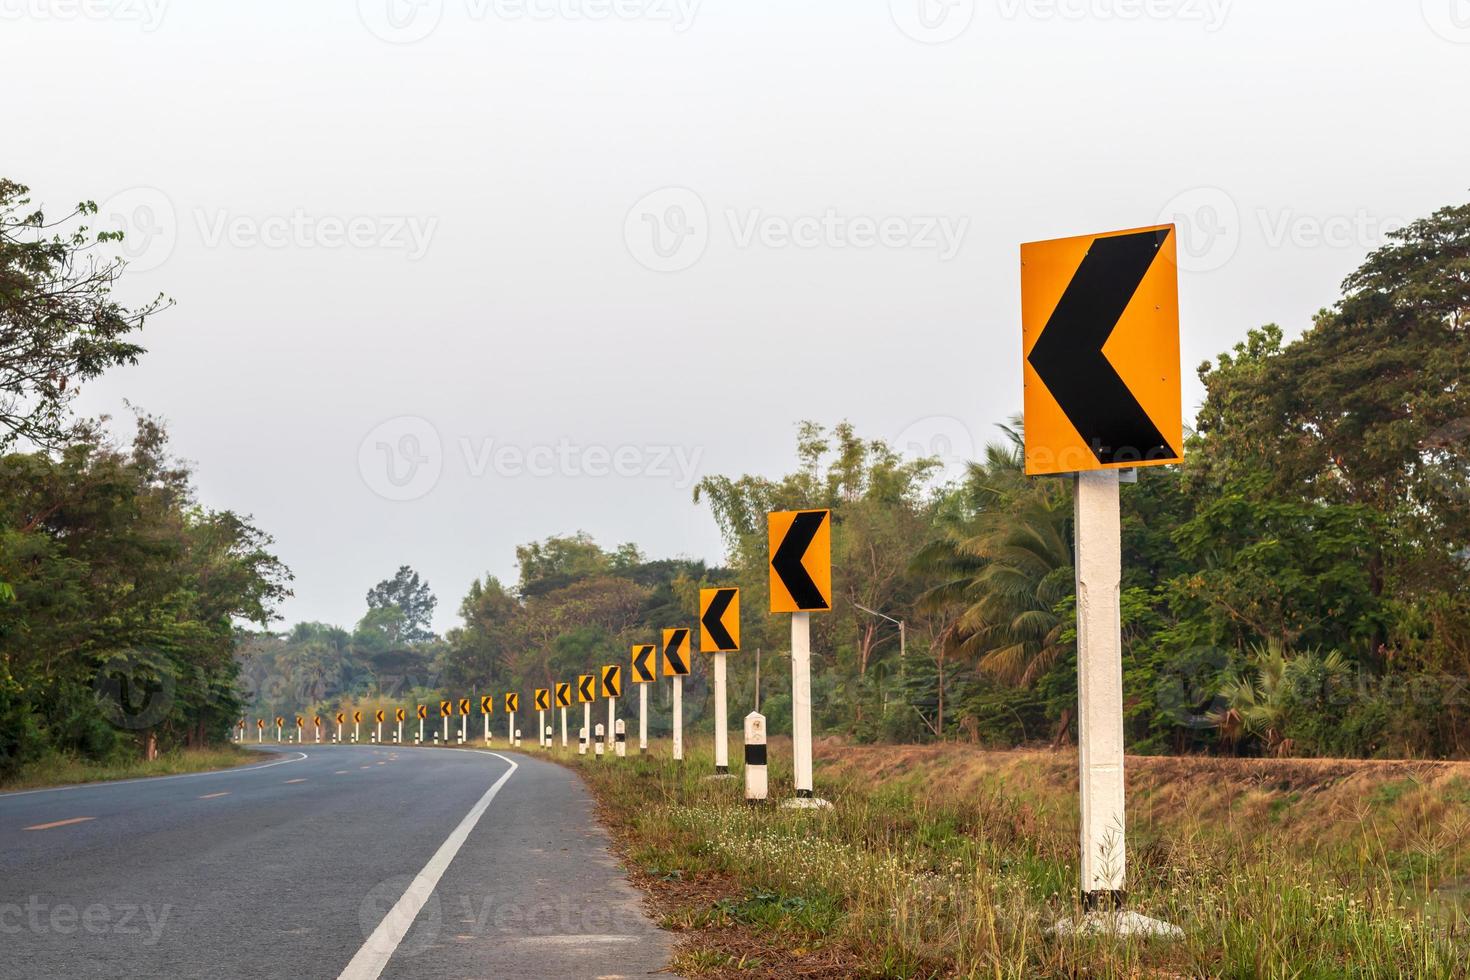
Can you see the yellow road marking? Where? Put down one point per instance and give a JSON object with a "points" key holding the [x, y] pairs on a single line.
{"points": [[60, 823], [213, 796]]}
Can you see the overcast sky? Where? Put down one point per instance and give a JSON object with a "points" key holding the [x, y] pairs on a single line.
{"points": [[454, 275]]}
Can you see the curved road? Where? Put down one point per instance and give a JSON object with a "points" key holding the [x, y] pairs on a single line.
{"points": [[335, 861]]}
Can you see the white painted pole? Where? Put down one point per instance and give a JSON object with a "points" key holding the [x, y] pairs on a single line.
{"points": [[510, 728], [563, 727], [300, 734], [801, 702], [597, 746], [487, 729], [586, 719], [642, 719], [318, 734], [446, 729], [540, 727], [722, 719], [464, 728], [678, 719], [518, 738], [339, 731], [357, 731], [621, 740], [582, 741], [1099, 563], [421, 729], [756, 785], [260, 735], [378, 736], [612, 715], [279, 734]]}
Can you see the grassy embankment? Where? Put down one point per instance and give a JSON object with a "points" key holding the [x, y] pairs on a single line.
{"points": [[951, 861], [64, 770]]}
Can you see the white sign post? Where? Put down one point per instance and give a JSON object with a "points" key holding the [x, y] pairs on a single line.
{"points": [[642, 719], [722, 719]]}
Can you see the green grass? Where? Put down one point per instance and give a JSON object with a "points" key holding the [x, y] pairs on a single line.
{"points": [[960, 869], [64, 770]]}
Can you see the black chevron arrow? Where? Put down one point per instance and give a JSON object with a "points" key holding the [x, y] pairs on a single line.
{"points": [[787, 560], [584, 687], [541, 703], [1068, 355], [640, 661], [672, 651], [713, 619]]}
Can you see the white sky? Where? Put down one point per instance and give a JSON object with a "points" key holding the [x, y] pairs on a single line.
{"points": [[502, 284]]}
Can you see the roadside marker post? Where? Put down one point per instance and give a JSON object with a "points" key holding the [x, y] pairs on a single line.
{"points": [[512, 705], [259, 730], [612, 689], [487, 708], [464, 720], [582, 740], [719, 635], [423, 710], [643, 671], [1100, 341], [543, 704], [340, 718], [357, 726], [563, 701], [597, 742], [300, 729], [756, 786], [586, 694], [676, 665], [378, 718], [446, 708], [280, 726], [801, 583], [518, 738], [621, 739], [549, 739], [317, 721], [399, 714]]}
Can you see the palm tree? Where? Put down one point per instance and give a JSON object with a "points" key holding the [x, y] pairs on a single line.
{"points": [[1003, 560]]}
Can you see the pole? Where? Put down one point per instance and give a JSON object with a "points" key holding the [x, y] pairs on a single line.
{"points": [[757, 678], [801, 702], [755, 758], [612, 715], [279, 733], [642, 719], [378, 736], [678, 719], [510, 728], [541, 727], [564, 726], [339, 732], [1100, 687], [487, 729], [421, 729], [587, 719], [722, 720]]}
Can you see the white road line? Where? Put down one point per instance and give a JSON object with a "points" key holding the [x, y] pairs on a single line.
{"points": [[153, 779], [370, 960]]}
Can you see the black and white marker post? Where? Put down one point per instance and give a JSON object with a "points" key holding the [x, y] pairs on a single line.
{"points": [[582, 740], [620, 739], [597, 746], [756, 786]]}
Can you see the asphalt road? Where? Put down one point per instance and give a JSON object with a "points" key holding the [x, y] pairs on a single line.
{"points": [[335, 861]]}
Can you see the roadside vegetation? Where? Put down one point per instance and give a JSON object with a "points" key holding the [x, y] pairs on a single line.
{"points": [[958, 862], [58, 769]]}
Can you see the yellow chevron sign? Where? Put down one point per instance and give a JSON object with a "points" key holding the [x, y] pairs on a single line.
{"points": [[586, 688], [563, 695], [612, 681], [487, 704], [512, 702], [543, 699]]}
